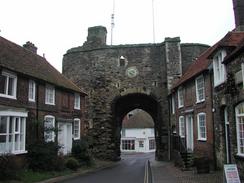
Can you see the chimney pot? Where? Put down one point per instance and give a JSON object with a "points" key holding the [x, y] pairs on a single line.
{"points": [[238, 6], [30, 46]]}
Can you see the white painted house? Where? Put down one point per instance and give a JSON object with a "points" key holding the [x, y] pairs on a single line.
{"points": [[137, 134]]}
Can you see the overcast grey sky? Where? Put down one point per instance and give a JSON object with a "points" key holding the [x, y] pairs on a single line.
{"points": [[55, 26]]}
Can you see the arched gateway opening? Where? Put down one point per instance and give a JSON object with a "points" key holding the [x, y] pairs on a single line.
{"points": [[122, 105]]}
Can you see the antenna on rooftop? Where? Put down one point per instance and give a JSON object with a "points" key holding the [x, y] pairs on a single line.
{"points": [[153, 21], [112, 22]]}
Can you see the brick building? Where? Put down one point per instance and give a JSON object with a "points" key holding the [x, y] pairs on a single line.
{"points": [[216, 77], [191, 109], [31, 90]]}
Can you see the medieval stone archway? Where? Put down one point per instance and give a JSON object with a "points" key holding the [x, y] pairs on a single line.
{"points": [[121, 78], [124, 104]]}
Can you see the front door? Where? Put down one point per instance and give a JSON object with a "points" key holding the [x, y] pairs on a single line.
{"points": [[189, 133], [65, 137]]}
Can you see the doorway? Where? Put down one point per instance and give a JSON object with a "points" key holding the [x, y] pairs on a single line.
{"points": [[189, 133], [65, 137]]}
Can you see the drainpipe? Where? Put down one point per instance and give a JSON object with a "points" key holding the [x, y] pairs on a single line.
{"points": [[37, 111], [169, 130], [211, 93]]}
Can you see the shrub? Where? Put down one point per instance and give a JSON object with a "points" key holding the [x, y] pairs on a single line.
{"points": [[80, 150], [72, 163], [44, 156], [9, 166]]}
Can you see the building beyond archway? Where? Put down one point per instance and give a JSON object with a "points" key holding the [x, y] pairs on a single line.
{"points": [[137, 132], [121, 78], [124, 104]]}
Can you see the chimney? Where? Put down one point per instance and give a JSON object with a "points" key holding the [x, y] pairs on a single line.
{"points": [[238, 6], [30, 46]]}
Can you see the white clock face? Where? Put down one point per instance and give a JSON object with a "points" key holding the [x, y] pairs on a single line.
{"points": [[132, 72]]}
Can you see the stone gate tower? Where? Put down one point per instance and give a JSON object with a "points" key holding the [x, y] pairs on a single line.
{"points": [[121, 78]]}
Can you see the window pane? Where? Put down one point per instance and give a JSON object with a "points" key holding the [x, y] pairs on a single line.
{"points": [[200, 89], [17, 125], [77, 101], [11, 86], [3, 82], [3, 124], [50, 92], [17, 142], [49, 125], [151, 144], [202, 126], [31, 90], [3, 138], [76, 128]]}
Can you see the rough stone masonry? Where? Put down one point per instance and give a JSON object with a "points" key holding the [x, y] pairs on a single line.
{"points": [[121, 78]]}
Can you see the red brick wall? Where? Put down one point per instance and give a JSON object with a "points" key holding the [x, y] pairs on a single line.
{"points": [[38, 109], [193, 108]]}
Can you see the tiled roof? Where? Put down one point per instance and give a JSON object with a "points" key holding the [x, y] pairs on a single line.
{"points": [[231, 39], [235, 53], [21, 60], [139, 120], [197, 67]]}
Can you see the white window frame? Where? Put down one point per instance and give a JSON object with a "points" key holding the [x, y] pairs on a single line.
{"points": [[128, 144], [181, 126], [180, 97], [198, 90], [50, 91], [52, 134], [77, 101], [76, 136], [239, 110], [199, 128], [219, 68], [173, 104], [152, 144], [18, 143], [32, 91], [14, 77]]}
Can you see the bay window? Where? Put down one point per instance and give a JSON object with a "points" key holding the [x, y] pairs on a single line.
{"points": [[12, 132]]}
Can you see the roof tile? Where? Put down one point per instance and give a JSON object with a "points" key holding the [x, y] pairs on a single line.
{"points": [[21, 60], [231, 39]]}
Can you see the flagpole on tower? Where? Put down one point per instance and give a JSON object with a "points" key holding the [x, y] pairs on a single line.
{"points": [[153, 23], [112, 22]]}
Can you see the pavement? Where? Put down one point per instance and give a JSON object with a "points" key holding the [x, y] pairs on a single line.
{"points": [[166, 172]]}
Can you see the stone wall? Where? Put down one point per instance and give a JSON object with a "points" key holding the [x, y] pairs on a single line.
{"points": [[229, 95], [110, 72]]}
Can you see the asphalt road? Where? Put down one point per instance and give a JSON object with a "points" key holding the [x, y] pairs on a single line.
{"points": [[130, 169]]}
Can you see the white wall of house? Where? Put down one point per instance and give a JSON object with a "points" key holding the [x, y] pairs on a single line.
{"points": [[137, 140]]}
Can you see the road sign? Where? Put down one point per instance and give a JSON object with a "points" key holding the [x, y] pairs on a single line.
{"points": [[231, 174]]}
